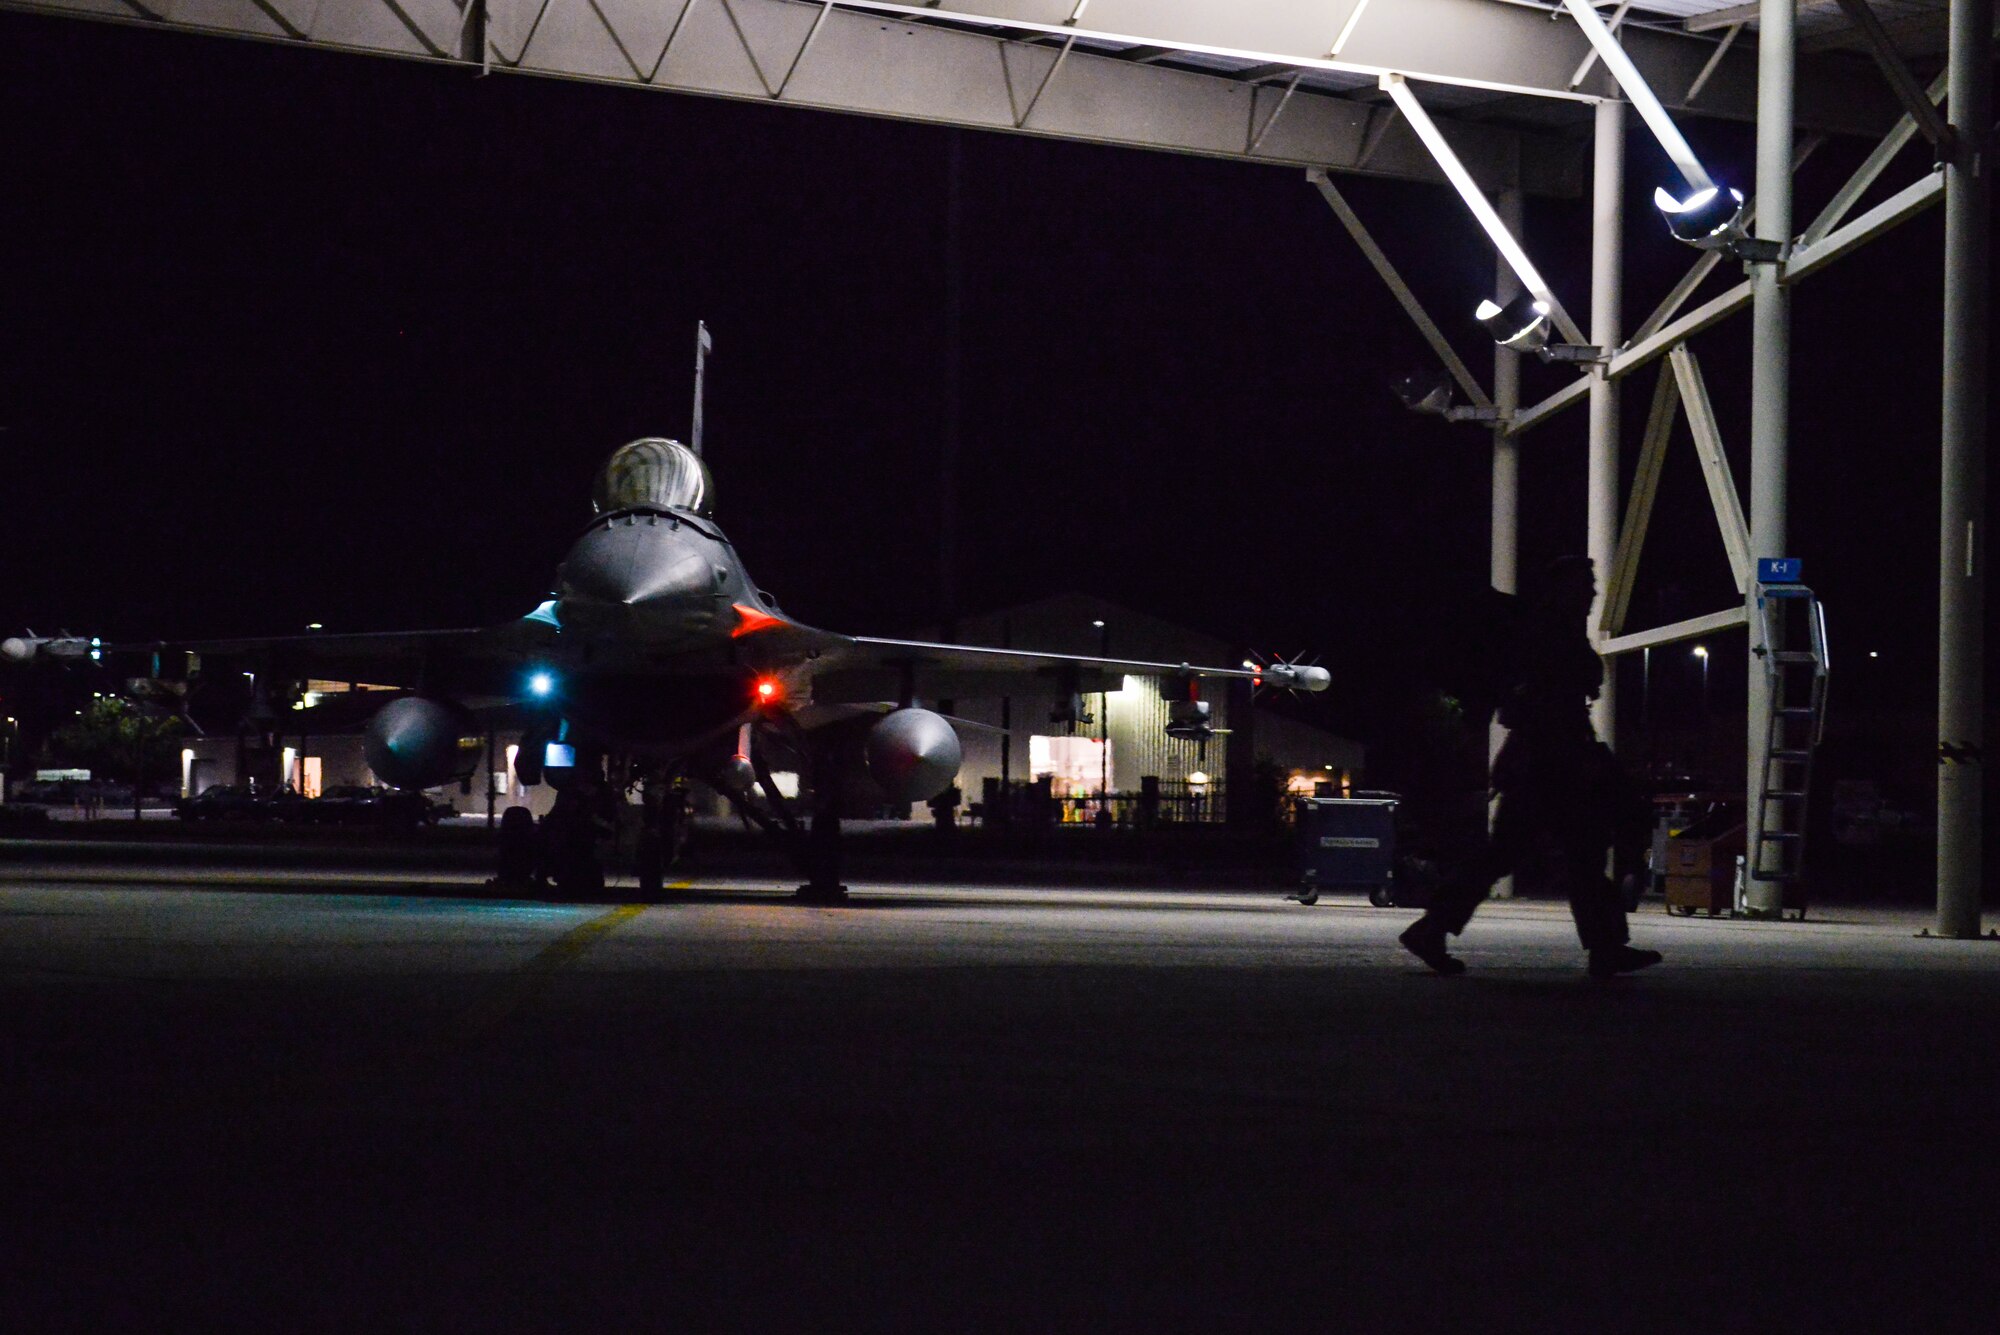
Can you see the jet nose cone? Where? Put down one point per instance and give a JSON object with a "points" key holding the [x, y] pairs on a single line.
{"points": [[634, 564]]}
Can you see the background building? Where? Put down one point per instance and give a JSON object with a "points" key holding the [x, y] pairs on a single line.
{"points": [[1126, 739]]}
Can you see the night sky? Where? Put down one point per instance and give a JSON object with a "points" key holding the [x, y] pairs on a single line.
{"points": [[294, 336]]}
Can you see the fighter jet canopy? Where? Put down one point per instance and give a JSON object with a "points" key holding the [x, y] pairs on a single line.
{"points": [[656, 474]]}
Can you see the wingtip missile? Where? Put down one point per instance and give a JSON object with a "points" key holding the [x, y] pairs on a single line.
{"points": [[1297, 676], [23, 648]]}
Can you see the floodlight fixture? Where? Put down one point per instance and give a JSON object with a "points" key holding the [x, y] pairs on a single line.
{"points": [[1709, 215], [1423, 392], [1709, 218], [1398, 89], [1520, 325]]}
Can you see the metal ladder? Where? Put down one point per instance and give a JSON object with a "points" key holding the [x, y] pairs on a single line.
{"points": [[1796, 667]]}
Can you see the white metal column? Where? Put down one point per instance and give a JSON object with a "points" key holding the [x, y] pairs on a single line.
{"points": [[1607, 227], [1961, 520], [1770, 385], [1504, 561]]}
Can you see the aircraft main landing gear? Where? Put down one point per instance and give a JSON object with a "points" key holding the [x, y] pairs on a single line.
{"points": [[820, 849]]}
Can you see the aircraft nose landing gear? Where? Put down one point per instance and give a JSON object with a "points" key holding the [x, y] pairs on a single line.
{"points": [[662, 832], [582, 814]]}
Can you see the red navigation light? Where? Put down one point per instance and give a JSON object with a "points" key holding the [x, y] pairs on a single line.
{"points": [[769, 691]]}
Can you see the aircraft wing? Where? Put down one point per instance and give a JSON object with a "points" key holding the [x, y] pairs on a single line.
{"points": [[868, 669], [389, 658]]}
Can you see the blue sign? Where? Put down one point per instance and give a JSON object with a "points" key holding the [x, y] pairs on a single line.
{"points": [[1779, 569]]}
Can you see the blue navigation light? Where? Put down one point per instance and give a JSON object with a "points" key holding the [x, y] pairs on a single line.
{"points": [[541, 685]]}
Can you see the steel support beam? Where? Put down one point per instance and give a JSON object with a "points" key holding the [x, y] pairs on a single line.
{"points": [[1916, 106], [1845, 198], [1722, 495], [1398, 288], [1968, 241], [1503, 542], [1489, 44], [1770, 397], [1899, 208], [1504, 238], [1639, 508], [1693, 629], [1504, 553], [1607, 321], [861, 61]]}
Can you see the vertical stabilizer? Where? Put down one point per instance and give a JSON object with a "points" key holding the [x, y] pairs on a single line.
{"points": [[703, 345]]}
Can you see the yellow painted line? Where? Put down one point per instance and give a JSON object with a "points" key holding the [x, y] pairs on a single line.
{"points": [[527, 981]]}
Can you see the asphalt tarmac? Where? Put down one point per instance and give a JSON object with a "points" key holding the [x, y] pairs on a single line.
{"points": [[347, 1099]]}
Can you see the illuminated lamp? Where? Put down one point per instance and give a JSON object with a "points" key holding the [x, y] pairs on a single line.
{"points": [[1522, 324], [542, 685], [1709, 218], [769, 691]]}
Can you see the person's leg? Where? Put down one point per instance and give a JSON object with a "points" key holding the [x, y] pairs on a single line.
{"points": [[1599, 909], [1594, 900], [1459, 895]]}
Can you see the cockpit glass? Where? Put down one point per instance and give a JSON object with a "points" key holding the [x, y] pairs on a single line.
{"points": [[654, 473]]}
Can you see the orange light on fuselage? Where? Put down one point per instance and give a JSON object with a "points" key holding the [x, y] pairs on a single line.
{"points": [[749, 621], [769, 691]]}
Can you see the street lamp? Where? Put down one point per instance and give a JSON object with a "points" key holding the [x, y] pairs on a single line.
{"points": [[1701, 652]]}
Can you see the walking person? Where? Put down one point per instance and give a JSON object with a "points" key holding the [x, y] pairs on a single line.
{"points": [[1560, 789]]}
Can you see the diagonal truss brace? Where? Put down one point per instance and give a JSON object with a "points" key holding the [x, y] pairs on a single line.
{"points": [[777, 90], [1693, 629], [1871, 169], [1639, 508], [1714, 464], [1918, 107], [1401, 290], [1256, 140], [1048, 77], [1681, 385]]}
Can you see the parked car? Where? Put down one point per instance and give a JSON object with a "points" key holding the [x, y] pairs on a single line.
{"points": [[242, 801], [220, 801], [358, 804]]}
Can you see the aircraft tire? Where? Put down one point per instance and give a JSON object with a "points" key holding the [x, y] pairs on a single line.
{"points": [[652, 869]]}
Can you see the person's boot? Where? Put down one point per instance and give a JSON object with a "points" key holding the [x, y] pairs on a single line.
{"points": [[1424, 938], [1609, 961]]}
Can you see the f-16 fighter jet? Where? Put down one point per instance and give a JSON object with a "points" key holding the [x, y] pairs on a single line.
{"points": [[657, 660]]}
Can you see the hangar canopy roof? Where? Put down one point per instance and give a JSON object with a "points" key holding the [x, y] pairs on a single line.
{"points": [[1280, 81]]}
